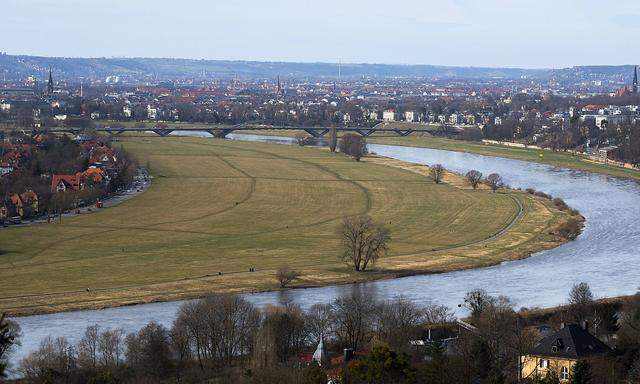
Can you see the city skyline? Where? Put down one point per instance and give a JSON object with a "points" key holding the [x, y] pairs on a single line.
{"points": [[497, 33]]}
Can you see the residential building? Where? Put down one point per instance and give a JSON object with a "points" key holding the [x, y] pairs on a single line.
{"points": [[62, 183], [409, 116], [560, 351], [389, 115]]}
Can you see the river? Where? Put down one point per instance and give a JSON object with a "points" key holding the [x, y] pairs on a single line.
{"points": [[606, 255]]}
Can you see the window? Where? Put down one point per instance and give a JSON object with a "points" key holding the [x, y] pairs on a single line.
{"points": [[564, 373], [544, 363]]}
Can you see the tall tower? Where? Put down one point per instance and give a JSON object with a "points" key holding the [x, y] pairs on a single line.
{"points": [[635, 80], [279, 86], [50, 83]]}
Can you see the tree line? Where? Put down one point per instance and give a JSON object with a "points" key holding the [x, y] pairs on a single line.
{"points": [[225, 338]]}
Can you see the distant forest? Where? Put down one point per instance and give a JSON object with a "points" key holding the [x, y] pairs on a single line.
{"points": [[15, 67]]}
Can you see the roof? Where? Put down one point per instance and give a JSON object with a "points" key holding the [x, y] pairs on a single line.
{"points": [[70, 181], [571, 342]]}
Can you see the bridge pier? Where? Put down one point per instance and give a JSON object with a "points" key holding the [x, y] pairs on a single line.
{"points": [[113, 132], [316, 133], [405, 132], [162, 132], [219, 133], [365, 132]]}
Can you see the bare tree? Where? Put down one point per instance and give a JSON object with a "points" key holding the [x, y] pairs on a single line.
{"points": [[474, 177], [476, 301], [398, 322], [221, 328], [501, 332], [364, 241], [88, 347], [353, 319], [148, 351], [286, 275], [111, 347], [495, 181], [437, 314], [53, 355], [318, 322], [285, 329], [437, 173]]}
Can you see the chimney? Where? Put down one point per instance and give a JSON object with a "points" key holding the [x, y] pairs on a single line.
{"points": [[348, 355], [585, 325]]}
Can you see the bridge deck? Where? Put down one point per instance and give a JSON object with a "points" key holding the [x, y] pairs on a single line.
{"points": [[225, 130]]}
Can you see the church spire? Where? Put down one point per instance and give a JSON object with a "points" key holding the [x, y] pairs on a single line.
{"points": [[279, 86], [50, 83], [635, 79]]}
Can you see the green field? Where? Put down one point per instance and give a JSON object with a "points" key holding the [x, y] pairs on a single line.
{"points": [[222, 206]]}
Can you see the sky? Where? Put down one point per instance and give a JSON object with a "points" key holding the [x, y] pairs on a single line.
{"points": [[494, 33]]}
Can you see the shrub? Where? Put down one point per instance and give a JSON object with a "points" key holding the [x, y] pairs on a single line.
{"points": [[570, 229], [286, 275], [303, 139], [353, 145], [543, 195], [560, 204]]}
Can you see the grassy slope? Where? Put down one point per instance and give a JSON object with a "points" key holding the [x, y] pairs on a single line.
{"points": [[225, 206]]}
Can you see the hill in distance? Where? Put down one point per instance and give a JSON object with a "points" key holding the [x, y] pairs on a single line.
{"points": [[20, 66]]}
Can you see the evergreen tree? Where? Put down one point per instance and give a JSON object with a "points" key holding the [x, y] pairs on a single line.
{"points": [[333, 139], [8, 338], [313, 374], [381, 366], [634, 372], [581, 373]]}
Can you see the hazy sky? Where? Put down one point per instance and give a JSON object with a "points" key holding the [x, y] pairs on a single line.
{"points": [[522, 33]]}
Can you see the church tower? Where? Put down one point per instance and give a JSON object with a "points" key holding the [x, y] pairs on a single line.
{"points": [[635, 80], [279, 87], [50, 84]]}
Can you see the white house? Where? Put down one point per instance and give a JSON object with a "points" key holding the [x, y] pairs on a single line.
{"points": [[409, 116], [152, 113], [389, 115]]}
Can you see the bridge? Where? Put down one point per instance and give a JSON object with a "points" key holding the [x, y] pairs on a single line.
{"points": [[223, 131]]}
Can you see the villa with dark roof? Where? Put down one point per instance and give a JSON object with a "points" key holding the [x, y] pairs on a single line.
{"points": [[560, 351]]}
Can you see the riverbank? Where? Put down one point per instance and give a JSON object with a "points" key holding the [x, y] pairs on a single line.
{"points": [[554, 158], [115, 258], [558, 159]]}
